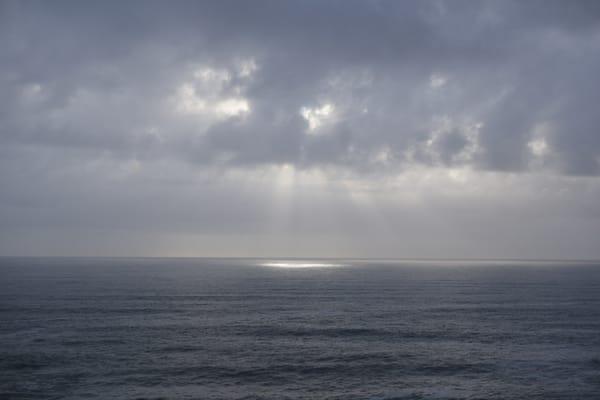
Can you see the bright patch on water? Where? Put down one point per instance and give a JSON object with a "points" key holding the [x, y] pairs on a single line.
{"points": [[300, 264]]}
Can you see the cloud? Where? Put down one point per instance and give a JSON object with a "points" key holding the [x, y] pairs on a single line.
{"points": [[386, 69], [93, 95]]}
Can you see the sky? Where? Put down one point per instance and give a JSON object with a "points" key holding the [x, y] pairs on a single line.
{"points": [[392, 129]]}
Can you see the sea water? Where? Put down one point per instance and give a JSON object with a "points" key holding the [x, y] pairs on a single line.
{"points": [[298, 329]]}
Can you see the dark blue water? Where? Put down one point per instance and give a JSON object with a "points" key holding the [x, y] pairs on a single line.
{"points": [[232, 329]]}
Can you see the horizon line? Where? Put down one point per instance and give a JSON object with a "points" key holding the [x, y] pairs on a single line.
{"points": [[315, 258]]}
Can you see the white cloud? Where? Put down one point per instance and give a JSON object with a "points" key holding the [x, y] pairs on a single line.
{"points": [[317, 116], [212, 75], [437, 81], [209, 93], [538, 147], [187, 101], [246, 68], [232, 107]]}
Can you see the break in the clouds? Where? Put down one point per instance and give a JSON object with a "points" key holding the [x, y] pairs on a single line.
{"points": [[368, 128]]}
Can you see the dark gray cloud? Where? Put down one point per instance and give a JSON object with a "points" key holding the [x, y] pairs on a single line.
{"points": [[105, 105], [388, 68]]}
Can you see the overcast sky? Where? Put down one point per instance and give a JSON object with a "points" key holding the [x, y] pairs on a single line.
{"points": [[307, 129]]}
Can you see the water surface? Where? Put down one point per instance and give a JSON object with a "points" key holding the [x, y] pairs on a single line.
{"points": [[298, 329]]}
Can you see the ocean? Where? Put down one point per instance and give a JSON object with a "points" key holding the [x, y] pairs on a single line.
{"points": [[86, 328]]}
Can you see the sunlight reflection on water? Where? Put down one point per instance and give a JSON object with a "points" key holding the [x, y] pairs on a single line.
{"points": [[299, 264]]}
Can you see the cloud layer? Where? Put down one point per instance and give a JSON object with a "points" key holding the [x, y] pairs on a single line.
{"points": [[202, 118]]}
